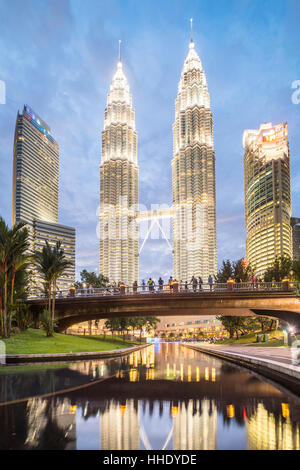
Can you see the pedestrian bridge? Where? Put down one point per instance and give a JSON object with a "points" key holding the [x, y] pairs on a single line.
{"points": [[278, 300]]}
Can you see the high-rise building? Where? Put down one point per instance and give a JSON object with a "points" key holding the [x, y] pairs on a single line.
{"points": [[119, 175], [35, 189], [267, 195], [53, 233], [35, 170], [193, 175], [295, 224]]}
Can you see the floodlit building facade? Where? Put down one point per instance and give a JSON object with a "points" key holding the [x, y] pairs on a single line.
{"points": [[295, 224], [53, 233], [119, 426], [267, 195], [193, 175], [266, 431], [36, 188], [35, 170], [119, 174]]}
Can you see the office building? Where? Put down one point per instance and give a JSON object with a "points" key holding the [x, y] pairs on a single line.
{"points": [[119, 173], [267, 195], [193, 175], [36, 189]]}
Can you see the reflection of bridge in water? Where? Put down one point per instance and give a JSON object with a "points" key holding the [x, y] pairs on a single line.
{"points": [[278, 300]]}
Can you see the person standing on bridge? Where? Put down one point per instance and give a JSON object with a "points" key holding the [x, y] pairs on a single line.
{"points": [[252, 279], [210, 282], [200, 282], [194, 283], [161, 283], [151, 285]]}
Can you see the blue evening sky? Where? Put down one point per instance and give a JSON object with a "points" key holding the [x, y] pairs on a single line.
{"points": [[59, 57]]}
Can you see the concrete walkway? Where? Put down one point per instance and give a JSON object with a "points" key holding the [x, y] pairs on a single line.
{"points": [[267, 360], [281, 355]]}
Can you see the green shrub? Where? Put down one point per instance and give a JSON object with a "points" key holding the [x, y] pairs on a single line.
{"points": [[47, 324], [22, 317]]}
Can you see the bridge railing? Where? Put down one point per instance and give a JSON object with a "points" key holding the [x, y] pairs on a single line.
{"points": [[180, 288]]}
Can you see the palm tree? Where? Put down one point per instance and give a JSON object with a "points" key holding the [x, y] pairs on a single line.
{"points": [[296, 269], [52, 263], [44, 262], [61, 264], [20, 260], [13, 246]]}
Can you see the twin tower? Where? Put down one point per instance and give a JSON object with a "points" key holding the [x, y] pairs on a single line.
{"points": [[193, 180]]}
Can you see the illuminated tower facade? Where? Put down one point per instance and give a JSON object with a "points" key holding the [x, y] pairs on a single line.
{"points": [[267, 195], [36, 169], [120, 426], [36, 188], [119, 185], [193, 175]]}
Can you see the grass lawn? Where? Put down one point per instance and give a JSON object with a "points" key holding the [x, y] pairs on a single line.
{"points": [[276, 340], [35, 342]]}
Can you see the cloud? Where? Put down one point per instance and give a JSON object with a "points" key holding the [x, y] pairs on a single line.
{"points": [[60, 56]]}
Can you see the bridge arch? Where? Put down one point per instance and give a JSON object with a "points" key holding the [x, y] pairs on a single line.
{"points": [[72, 310]]}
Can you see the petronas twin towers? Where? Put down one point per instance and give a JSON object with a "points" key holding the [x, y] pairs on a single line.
{"points": [[193, 180]]}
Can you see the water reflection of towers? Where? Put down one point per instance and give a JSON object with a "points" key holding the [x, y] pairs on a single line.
{"points": [[119, 426], [265, 431], [195, 426]]}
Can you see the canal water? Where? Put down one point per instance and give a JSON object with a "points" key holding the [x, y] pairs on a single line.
{"points": [[163, 397]]}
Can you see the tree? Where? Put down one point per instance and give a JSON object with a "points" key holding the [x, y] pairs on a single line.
{"points": [[112, 324], [133, 324], [61, 264], [296, 269], [151, 323], [279, 270], [14, 244], [51, 263], [224, 273], [234, 269], [140, 325], [234, 325], [123, 325], [98, 281], [265, 323], [242, 272], [47, 323]]}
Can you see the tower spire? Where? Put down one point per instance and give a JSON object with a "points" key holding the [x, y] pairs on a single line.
{"points": [[120, 50], [191, 20]]}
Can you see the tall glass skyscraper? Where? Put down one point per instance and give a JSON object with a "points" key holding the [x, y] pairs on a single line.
{"points": [[193, 175], [119, 173], [35, 171], [35, 189], [267, 195]]}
